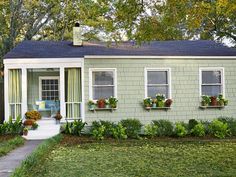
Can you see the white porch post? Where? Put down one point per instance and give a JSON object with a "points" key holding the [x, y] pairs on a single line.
{"points": [[62, 92], [24, 105], [6, 71], [82, 92]]}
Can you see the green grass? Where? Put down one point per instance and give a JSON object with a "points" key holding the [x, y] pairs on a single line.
{"points": [[7, 144], [76, 157]]}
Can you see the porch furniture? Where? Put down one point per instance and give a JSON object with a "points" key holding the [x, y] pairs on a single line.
{"points": [[48, 106]]}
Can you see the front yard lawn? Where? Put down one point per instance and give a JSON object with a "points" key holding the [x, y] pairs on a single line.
{"points": [[8, 143], [75, 156]]}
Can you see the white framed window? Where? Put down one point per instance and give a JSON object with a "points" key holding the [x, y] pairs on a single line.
{"points": [[157, 81], [102, 83], [49, 88], [212, 81]]}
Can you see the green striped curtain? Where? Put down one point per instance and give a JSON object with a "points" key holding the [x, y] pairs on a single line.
{"points": [[73, 93], [15, 92]]}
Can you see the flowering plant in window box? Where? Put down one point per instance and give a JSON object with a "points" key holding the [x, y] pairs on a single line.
{"points": [[206, 100], [92, 104], [147, 103], [107, 103], [160, 100], [222, 101], [113, 102]]}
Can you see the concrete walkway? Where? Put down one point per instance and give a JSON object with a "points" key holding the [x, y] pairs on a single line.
{"points": [[12, 160]]}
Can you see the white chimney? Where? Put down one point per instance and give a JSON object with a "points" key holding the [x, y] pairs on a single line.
{"points": [[77, 37]]}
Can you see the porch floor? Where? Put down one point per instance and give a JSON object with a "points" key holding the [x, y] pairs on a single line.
{"points": [[47, 128]]}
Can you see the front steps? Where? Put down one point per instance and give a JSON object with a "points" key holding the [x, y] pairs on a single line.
{"points": [[47, 128]]}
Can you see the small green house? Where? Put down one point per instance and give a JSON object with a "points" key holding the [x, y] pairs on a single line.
{"points": [[53, 77]]}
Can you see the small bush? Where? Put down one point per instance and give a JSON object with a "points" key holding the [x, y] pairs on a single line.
{"points": [[99, 132], [151, 130], [12, 128], [133, 127], [219, 129], [192, 123], [180, 130], [198, 130], [165, 127], [74, 128], [231, 124], [108, 127], [118, 131]]}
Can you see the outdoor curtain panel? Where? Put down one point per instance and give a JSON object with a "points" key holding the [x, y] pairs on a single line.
{"points": [[15, 92], [73, 93]]}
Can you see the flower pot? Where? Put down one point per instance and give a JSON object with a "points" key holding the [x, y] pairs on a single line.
{"points": [[91, 107], [101, 104], [107, 106], [160, 104], [168, 102], [214, 101], [29, 122], [154, 105], [25, 133], [204, 103]]}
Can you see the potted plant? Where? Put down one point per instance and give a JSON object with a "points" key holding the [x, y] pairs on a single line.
{"points": [[25, 131], [147, 103], [113, 102], [107, 104], [33, 115], [92, 105], [154, 103], [222, 101], [35, 126], [168, 102], [58, 117], [101, 103], [160, 100], [206, 100], [226, 102], [214, 101]]}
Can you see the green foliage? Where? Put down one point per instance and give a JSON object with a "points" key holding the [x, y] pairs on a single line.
{"points": [[192, 123], [74, 128], [165, 127], [35, 126], [231, 122], [151, 130], [219, 129], [198, 130], [10, 144], [11, 127], [113, 102], [180, 130], [107, 124], [99, 132], [133, 127], [118, 131]]}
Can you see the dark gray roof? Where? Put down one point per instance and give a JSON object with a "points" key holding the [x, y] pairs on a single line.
{"points": [[63, 49]]}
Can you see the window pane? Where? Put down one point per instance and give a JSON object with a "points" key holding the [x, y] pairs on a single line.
{"points": [[102, 92], [157, 77], [211, 90], [211, 77], [103, 78], [153, 90]]}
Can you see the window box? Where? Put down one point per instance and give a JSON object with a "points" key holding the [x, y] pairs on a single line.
{"points": [[159, 103], [102, 109], [157, 108], [103, 104], [209, 107], [213, 102]]}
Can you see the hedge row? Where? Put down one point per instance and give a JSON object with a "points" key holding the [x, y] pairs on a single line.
{"points": [[131, 128]]}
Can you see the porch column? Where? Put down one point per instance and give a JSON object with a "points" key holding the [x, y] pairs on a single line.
{"points": [[6, 96], [24, 104], [62, 92]]}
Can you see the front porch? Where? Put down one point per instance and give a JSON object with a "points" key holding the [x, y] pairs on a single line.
{"points": [[46, 85]]}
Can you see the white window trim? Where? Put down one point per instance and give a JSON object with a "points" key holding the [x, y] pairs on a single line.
{"points": [[221, 69], [91, 70], [157, 69], [48, 78]]}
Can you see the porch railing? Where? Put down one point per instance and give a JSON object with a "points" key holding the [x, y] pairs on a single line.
{"points": [[73, 105]]}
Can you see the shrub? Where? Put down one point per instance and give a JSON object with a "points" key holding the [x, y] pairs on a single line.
{"points": [[151, 130], [118, 131], [107, 124], [74, 128], [180, 130], [231, 124], [192, 123], [198, 130], [219, 129], [33, 115], [99, 132], [165, 127], [133, 127], [12, 128]]}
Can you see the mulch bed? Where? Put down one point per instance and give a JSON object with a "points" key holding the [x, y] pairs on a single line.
{"points": [[6, 137]]}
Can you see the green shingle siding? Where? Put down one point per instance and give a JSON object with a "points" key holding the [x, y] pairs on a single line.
{"points": [[185, 89]]}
